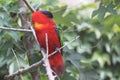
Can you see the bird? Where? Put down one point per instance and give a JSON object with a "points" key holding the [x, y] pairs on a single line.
{"points": [[43, 24]]}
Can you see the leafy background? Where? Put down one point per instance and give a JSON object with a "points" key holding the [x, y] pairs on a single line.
{"points": [[94, 56]]}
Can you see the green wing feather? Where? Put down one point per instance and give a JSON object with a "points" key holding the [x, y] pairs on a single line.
{"points": [[60, 34]]}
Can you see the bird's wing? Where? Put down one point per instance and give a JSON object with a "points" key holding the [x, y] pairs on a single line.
{"points": [[60, 35]]}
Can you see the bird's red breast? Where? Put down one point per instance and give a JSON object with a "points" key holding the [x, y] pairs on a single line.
{"points": [[42, 25]]}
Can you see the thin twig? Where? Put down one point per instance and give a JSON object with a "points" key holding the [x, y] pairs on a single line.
{"points": [[63, 46], [21, 71], [47, 50], [29, 6], [37, 64], [15, 29], [18, 63], [46, 61]]}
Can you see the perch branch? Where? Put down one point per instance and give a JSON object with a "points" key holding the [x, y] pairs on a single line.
{"points": [[45, 56], [37, 64], [63, 46], [46, 61], [21, 71]]}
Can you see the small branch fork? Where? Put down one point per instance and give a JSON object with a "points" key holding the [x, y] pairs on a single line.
{"points": [[37, 64], [45, 55]]}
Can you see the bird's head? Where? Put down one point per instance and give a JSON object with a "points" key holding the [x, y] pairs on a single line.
{"points": [[41, 17]]}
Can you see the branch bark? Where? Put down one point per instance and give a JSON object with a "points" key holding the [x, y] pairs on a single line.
{"points": [[29, 42], [21, 71], [37, 64], [15, 29], [29, 6], [46, 61], [45, 56]]}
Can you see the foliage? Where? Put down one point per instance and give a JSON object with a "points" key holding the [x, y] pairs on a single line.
{"points": [[94, 56]]}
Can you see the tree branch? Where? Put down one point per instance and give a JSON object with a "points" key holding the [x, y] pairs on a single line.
{"points": [[63, 46], [46, 61], [45, 56], [21, 71], [37, 64], [29, 6], [27, 41], [15, 29]]}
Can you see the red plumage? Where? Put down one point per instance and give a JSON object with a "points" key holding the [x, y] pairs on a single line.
{"points": [[42, 25]]}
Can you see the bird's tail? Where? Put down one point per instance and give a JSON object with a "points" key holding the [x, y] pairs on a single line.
{"points": [[57, 63]]}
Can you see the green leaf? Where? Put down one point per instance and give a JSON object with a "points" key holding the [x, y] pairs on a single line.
{"points": [[74, 58], [102, 10], [66, 20], [88, 75], [67, 76], [95, 12], [14, 35], [101, 58], [110, 9], [3, 71], [106, 2]]}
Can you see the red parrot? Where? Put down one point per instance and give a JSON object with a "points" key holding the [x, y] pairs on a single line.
{"points": [[43, 23]]}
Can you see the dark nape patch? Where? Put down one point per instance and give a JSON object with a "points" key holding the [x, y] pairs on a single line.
{"points": [[47, 13]]}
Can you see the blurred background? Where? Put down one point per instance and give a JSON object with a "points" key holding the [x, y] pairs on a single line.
{"points": [[94, 56]]}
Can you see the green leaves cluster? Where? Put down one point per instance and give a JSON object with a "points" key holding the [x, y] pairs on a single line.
{"points": [[94, 56]]}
